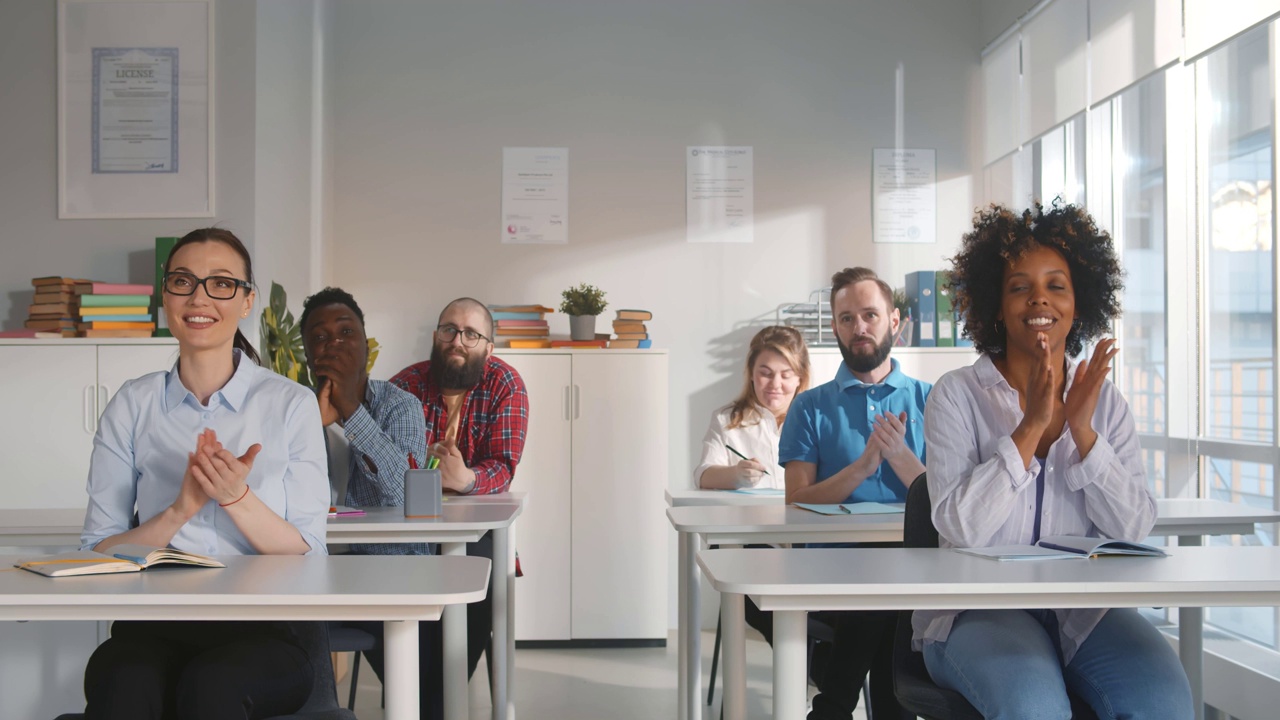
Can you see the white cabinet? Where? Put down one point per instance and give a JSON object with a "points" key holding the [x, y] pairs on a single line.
{"points": [[592, 539], [51, 394]]}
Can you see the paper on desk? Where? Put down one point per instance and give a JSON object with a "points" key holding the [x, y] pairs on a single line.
{"points": [[760, 491], [862, 508], [1018, 552]]}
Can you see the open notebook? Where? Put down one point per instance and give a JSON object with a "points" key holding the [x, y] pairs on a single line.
{"points": [[120, 559], [1061, 547]]}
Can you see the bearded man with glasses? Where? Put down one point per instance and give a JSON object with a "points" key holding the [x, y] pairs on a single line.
{"points": [[477, 415]]}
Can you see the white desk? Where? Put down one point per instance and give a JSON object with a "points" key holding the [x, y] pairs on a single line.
{"points": [[793, 582], [685, 498], [743, 524], [465, 520], [399, 590]]}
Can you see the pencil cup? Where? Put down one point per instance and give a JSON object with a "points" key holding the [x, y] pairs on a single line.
{"points": [[422, 494]]}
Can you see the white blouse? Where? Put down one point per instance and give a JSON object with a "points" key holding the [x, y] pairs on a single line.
{"points": [[757, 440]]}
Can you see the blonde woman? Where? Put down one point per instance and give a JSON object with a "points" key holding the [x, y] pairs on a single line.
{"points": [[740, 449]]}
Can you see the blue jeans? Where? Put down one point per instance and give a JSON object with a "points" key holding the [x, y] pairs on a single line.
{"points": [[1008, 664]]}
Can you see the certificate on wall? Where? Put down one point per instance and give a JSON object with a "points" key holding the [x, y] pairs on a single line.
{"points": [[904, 196], [135, 110], [720, 194], [535, 195]]}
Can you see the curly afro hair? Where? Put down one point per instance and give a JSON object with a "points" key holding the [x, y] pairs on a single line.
{"points": [[1001, 237]]}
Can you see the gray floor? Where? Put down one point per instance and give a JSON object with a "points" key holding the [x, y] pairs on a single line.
{"points": [[614, 684]]}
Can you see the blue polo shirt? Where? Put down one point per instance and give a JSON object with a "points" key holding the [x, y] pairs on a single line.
{"points": [[829, 426]]}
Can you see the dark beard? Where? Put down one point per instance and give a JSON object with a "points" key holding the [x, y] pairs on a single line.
{"points": [[456, 378], [860, 363]]}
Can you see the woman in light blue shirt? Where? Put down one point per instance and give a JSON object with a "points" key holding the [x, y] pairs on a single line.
{"points": [[1025, 444], [216, 456]]}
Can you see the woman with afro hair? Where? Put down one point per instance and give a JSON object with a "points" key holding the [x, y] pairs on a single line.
{"points": [[1028, 443]]}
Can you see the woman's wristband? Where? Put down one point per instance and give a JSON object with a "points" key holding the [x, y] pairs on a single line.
{"points": [[233, 502]]}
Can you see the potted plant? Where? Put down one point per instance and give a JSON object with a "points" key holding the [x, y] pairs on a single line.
{"points": [[582, 304]]}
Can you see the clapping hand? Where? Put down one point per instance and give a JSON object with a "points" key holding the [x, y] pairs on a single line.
{"points": [[221, 475]]}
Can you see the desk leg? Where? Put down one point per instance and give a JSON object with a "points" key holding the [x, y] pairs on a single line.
{"points": [[789, 664], [511, 626], [455, 650], [682, 627], [1191, 642], [693, 627], [733, 621], [500, 583], [400, 638]]}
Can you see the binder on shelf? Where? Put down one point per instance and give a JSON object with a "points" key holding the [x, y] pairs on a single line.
{"points": [[923, 306], [164, 245], [946, 314]]}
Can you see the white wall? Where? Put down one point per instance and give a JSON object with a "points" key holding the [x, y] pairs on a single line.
{"points": [[426, 95], [998, 15], [33, 242]]}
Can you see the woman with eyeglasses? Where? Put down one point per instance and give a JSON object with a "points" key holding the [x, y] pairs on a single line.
{"points": [[219, 456]]}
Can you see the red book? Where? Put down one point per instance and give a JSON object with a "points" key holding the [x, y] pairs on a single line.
{"points": [[579, 343], [100, 288], [522, 323]]}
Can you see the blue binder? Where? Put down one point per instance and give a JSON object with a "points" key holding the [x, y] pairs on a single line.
{"points": [[924, 307]]}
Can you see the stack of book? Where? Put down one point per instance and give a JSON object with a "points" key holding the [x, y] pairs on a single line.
{"points": [[113, 310], [521, 326], [53, 309], [629, 330]]}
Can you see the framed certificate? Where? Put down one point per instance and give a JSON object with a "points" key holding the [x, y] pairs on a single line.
{"points": [[135, 109]]}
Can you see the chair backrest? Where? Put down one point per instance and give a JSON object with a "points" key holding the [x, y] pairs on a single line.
{"points": [[917, 521]]}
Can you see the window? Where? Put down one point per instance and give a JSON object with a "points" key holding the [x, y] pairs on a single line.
{"points": [[1233, 106]]}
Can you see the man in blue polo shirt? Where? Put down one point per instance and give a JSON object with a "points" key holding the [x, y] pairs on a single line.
{"points": [[857, 438]]}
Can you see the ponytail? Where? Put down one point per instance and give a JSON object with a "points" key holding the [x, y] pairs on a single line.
{"points": [[246, 348]]}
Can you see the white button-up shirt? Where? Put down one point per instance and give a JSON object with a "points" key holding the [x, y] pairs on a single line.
{"points": [[140, 455], [983, 495], [757, 440]]}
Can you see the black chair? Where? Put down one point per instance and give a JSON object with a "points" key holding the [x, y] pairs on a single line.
{"points": [[352, 640], [313, 638], [916, 691]]}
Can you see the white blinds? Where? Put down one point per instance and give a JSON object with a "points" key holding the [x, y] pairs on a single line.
{"points": [[1054, 72], [1128, 40], [1210, 23], [1000, 79]]}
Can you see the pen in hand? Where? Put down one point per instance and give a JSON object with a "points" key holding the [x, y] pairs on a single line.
{"points": [[744, 457]]}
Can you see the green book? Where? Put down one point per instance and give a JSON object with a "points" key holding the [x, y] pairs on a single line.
{"points": [[164, 245], [115, 300], [946, 314]]}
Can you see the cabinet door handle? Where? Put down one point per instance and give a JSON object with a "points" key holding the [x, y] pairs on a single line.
{"points": [[577, 402], [568, 402], [87, 420], [104, 394]]}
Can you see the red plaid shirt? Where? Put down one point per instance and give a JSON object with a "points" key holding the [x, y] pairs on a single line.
{"points": [[494, 422]]}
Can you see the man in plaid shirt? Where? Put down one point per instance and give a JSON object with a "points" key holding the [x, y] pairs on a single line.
{"points": [[475, 406], [476, 413]]}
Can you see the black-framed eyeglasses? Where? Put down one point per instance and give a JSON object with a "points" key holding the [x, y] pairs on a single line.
{"points": [[470, 338], [218, 287]]}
